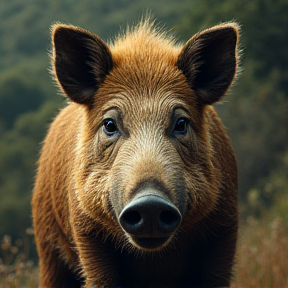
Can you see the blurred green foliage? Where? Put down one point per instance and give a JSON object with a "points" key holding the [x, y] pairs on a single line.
{"points": [[256, 112]]}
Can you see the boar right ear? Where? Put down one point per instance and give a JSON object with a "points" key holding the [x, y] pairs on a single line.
{"points": [[81, 61], [209, 61]]}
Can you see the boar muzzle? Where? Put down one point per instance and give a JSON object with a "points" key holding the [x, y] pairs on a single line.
{"points": [[150, 220]]}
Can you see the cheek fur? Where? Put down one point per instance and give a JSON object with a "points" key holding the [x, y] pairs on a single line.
{"points": [[92, 170]]}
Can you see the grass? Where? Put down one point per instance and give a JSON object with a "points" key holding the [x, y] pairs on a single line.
{"points": [[262, 258], [262, 255], [16, 270]]}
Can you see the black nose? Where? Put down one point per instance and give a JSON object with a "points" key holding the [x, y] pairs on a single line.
{"points": [[150, 216]]}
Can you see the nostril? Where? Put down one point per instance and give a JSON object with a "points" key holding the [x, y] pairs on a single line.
{"points": [[131, 217], [169, 217]]}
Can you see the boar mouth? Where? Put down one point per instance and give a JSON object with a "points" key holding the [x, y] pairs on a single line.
{"points": [[150, 243]]}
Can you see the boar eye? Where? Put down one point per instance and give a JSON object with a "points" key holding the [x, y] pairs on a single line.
{"points": [[110, 128], [180, 127]]}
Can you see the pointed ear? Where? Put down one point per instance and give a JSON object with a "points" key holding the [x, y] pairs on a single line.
{"points": [[81, 61], [209, 61]]}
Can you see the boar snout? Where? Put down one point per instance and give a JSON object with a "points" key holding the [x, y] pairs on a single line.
{"points": [[150, 220]]}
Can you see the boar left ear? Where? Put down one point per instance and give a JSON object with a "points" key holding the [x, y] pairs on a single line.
{"points": [[209, 61], [81, 61]]}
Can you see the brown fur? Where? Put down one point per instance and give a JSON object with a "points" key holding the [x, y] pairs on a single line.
{"points": [[85, 178]]}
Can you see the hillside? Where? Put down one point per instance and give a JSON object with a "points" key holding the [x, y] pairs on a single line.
{"points": [[255, 113]]}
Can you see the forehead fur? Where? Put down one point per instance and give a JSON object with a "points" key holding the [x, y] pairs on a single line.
{"points": [[145, 58], [144, 44]]}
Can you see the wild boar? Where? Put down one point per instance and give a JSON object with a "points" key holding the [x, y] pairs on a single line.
{"points": [[137, 179]]}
